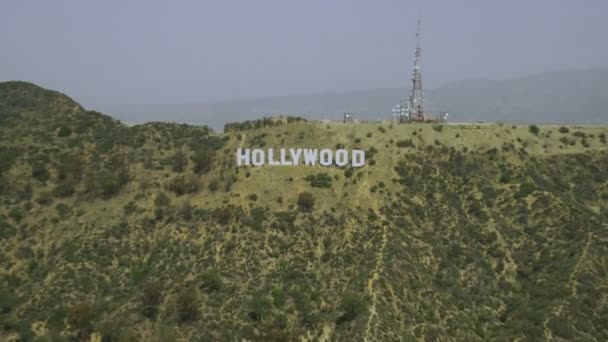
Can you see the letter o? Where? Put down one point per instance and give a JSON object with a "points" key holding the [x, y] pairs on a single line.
{"points": [[341, 157], [326, 157]]}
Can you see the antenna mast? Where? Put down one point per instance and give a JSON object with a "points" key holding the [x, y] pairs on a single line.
{"points": [[416, 100]]}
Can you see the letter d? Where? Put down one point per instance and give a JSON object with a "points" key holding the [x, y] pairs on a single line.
{"points": [[358, 158]]}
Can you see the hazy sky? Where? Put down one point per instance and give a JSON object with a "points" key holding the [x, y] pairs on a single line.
{"points": [[188, 51]]}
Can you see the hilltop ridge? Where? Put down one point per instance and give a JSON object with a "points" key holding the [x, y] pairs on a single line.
{"points": [[557, 97]]}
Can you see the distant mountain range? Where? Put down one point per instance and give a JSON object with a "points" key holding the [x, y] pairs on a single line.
{"points": [[551, 97]]}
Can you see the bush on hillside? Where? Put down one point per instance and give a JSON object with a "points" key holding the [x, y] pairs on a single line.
{"points": [[348, 172], [16, 214], [162, 200], [405, 143], [350, 307], [64, 188], [525, 189], [181, 185], [438, 128], [211, 280], [8, 156], [45, 198], [579, 134], [534, 129], [80, 316], [64, 131], [187, 306], [40, 173], [202, 161], [177, 161], [151, 299], [319, 180], [306, 201], [63, 210], [258, 308], [109, 183]]}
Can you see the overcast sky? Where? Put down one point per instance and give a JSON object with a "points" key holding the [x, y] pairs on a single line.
{"points": [[189, 51]]}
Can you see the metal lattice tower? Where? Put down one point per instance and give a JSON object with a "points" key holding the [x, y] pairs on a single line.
{"points": [[348, 118], [416, 100]]}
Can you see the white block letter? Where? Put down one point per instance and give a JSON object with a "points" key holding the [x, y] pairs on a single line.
{"points": [[295, 155], [284, 161], [310, 156], [257, 157], [358, 158], [326, 157], [242, 158], [271, 160], [341, 157]]}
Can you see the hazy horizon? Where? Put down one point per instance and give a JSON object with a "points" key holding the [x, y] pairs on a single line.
{"points": [[146, 53]]}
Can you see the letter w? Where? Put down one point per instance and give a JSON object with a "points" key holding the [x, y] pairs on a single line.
{"points": [[310, 156]]}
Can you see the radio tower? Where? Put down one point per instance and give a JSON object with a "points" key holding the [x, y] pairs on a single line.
{"points": [[416, 100]]}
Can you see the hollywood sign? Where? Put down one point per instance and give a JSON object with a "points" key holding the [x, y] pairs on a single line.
{"points": [[299, 156]]}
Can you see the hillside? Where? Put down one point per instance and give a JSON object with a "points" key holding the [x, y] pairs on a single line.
{"points": [[562, 97], [151, 232]]}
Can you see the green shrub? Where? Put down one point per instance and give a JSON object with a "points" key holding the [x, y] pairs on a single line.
{"points": [[45, 198], [223, 215], [162, 200], [319, 180], [211, 280], [151, 299], [579, 134], [306, 201], [534, 129], [187, 306], [64, 189], [564, 129], [438, 128], [110, 183], [348, 172], [350, 307], [177, 161], [80, 316], [64, 131], [202, 161], [63, 210], [255, 220], [525, 189], [8, 156], [39, 172], [129, 208], [258, 308], [405, 143], [183, 185], [278, 298], [214, 185], [16, 214]]}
